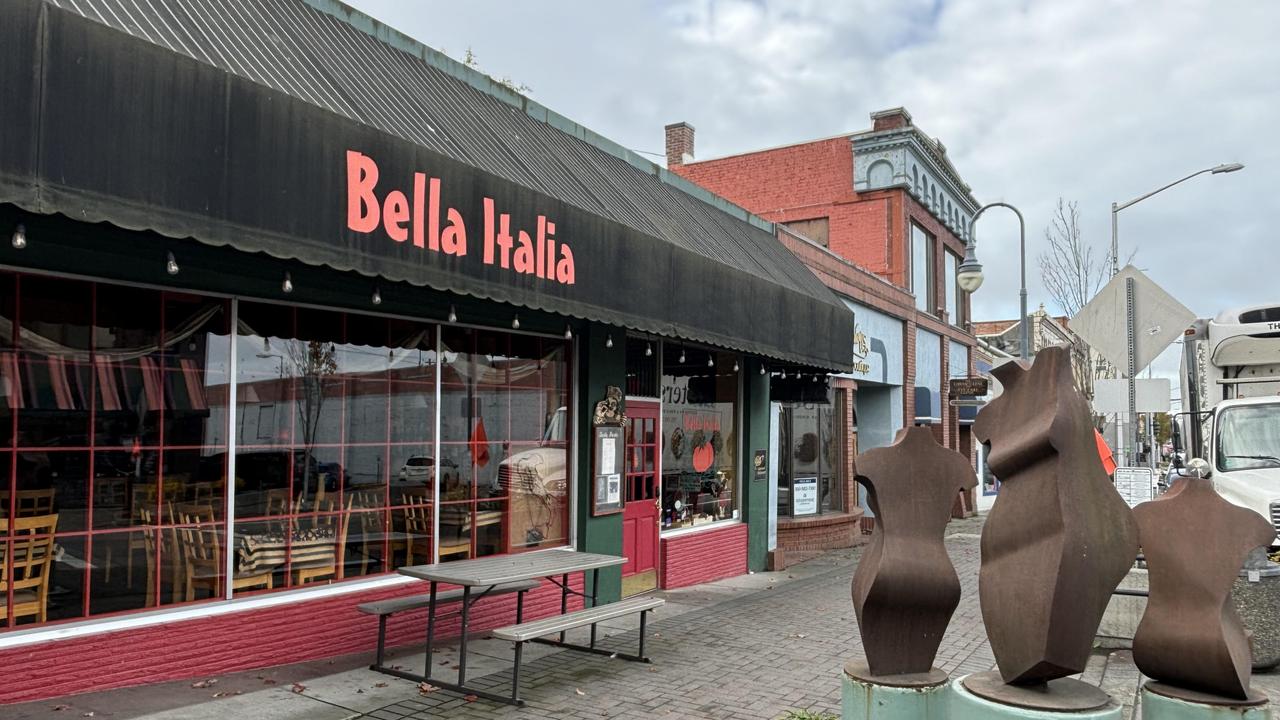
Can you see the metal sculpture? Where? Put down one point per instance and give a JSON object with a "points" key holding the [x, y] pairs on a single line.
{"points": [[1058, 539], [905, 588], [1190, 637]]}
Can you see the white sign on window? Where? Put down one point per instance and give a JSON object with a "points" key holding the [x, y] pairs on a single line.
{"points": [[804, 496], [1135, 484]]}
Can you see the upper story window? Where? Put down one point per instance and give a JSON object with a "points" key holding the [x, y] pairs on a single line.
{"points": [[922, 269], [954, 298], [817, 229]]}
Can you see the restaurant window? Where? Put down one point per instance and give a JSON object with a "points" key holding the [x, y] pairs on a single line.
{"points": [[505, 404], [953, 289], [114, 445], [810, 463], [700, 395], [922, 269]]}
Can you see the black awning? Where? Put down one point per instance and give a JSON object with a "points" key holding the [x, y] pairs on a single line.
{"points": [[263, 133]]}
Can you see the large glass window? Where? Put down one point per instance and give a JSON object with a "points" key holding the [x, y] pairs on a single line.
{"points": [[922, 271], [810, 458], [114, 447], [505, 403], [953, 289], [700, 426]]}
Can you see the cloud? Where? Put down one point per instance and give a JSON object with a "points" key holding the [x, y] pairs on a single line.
{"points": [[1095, 102]]}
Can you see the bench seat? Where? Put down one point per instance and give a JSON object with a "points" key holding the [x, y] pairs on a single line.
{"points": [[589, 616]]}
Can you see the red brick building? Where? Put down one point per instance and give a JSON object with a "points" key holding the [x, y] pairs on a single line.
{"points": [[882, 217]]}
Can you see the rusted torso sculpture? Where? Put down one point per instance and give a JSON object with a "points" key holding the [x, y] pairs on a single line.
{"points": [[1190, 635], [905, 588], [1059, 538]]}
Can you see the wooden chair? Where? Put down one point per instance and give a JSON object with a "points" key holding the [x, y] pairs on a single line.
{"points": [[31, 503], [332, 565], [419, 529], [150, 535], [27, 572], [202, 554]]}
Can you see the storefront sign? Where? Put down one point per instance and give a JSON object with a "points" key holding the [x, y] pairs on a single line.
{"points": [[761, 465], [972, 386], [804, 496], [419, 215], [861, 348], [606, 491]]}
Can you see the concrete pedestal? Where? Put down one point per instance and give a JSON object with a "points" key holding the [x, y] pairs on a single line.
{"points": [[965, 705], [892, 697], [1159, 703]]}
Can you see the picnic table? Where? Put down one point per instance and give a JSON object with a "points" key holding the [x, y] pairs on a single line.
{"points": [[481, 577]]}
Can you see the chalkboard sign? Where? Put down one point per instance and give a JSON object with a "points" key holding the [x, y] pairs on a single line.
{"points": [[608, 470]]}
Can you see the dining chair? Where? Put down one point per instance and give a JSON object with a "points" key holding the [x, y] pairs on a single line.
{"points": [[202, 555], [331, 563], [30, 503], [27, 572]]}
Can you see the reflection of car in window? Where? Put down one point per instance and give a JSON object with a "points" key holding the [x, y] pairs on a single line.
{"points": [[536, 481], [421, 469]]}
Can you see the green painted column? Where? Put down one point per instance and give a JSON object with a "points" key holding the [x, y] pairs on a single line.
{"points": [[598, 367], [755, 434]]}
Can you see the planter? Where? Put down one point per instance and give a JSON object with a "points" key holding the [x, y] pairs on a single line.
{"points": [[1256, 594]]}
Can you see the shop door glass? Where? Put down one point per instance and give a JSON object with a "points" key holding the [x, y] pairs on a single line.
{"points": [[641, 512]]}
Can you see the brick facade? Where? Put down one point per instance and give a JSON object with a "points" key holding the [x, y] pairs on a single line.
{"points": [[244, 640], [700, 557]]}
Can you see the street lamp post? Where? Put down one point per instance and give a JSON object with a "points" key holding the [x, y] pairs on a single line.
{"points": [[1130, 429], [969, 274]]}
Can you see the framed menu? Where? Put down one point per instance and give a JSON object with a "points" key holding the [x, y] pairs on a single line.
{"points": [[607, 470]]}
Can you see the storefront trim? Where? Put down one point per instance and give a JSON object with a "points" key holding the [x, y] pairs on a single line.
{"points": [[134, 620]]}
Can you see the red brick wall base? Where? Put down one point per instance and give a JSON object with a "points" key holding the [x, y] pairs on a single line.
{"points": [[820, 532], [704, 556], [235, 641]]}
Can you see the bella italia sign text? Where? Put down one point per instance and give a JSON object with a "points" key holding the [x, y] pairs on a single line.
{"points": [[420, 217]]}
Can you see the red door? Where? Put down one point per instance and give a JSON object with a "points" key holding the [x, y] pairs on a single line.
{"points": [[641, 513]]}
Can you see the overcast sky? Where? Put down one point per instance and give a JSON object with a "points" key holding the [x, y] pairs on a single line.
{"points": [[1093, 102]]}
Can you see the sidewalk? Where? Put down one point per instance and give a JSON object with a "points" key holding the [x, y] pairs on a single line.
{"points": [[749, 647]]}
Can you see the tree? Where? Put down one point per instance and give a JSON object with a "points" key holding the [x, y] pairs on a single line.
{"points": [[1073, 271], [314, 364]]}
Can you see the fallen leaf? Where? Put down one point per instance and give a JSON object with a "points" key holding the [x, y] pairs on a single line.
{"points": [[220, 694], [269, 681], [359, 691], [613, 656], [380, 685], [298, 687], [60, 708], [205, 683], [426, 688], [88, 714], [470, 698], [579, 691]]}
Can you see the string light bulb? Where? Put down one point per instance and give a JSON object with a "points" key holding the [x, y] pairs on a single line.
{"points": [[568, 332], [171, 264], [377, 296], [648, 349], [735, 366], [287, 285], [762, 370], [515, 322], [608, 341], [19, 239], [453, 315], [681, 356], [711, 360]]}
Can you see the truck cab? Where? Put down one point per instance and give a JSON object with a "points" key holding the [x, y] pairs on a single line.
{"points": [[1231, 392]]}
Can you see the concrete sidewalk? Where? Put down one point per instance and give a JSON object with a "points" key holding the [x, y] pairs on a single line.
{"points": [[752, 647]]}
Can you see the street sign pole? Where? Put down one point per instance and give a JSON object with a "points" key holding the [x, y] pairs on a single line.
{"points": [[1130, 425]]}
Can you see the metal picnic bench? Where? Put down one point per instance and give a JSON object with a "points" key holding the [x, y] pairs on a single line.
{"points": [[482, 577]]}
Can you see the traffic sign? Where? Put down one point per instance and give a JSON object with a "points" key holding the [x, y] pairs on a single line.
{"points": [[1159, 319]]}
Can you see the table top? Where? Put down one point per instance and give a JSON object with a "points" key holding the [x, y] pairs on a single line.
{"points": [[498, 569]]}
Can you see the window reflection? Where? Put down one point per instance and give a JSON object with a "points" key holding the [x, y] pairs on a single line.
{"points": [[700, 448]]}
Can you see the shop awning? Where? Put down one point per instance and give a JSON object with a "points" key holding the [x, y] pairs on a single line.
{"points": [[259, 124]]}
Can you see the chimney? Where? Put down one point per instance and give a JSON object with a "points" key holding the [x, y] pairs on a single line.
{"points": [[891, 119], [679, 144]]}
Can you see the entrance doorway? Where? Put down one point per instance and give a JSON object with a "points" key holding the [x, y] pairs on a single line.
{"points": [[642, 511]]}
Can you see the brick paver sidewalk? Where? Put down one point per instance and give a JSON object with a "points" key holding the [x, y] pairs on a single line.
{"points": [[747, 648]]}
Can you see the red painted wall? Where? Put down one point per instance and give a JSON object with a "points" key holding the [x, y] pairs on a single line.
{"points": [[240, 641], [704, 556]]}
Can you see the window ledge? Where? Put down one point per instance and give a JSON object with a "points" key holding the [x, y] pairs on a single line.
{"points": [[832, 518]]}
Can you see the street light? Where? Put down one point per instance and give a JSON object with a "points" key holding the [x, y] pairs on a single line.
{"points": [[969, 275], [1116, 208], [1127, 447]]}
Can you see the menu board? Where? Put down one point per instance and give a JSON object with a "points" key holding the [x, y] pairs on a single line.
{"points": [[1135, 484], [606, 495]]}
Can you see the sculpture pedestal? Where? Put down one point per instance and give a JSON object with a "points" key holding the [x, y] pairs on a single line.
{"points": [[921, 696], [1028, 704], [1159, 703]]}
